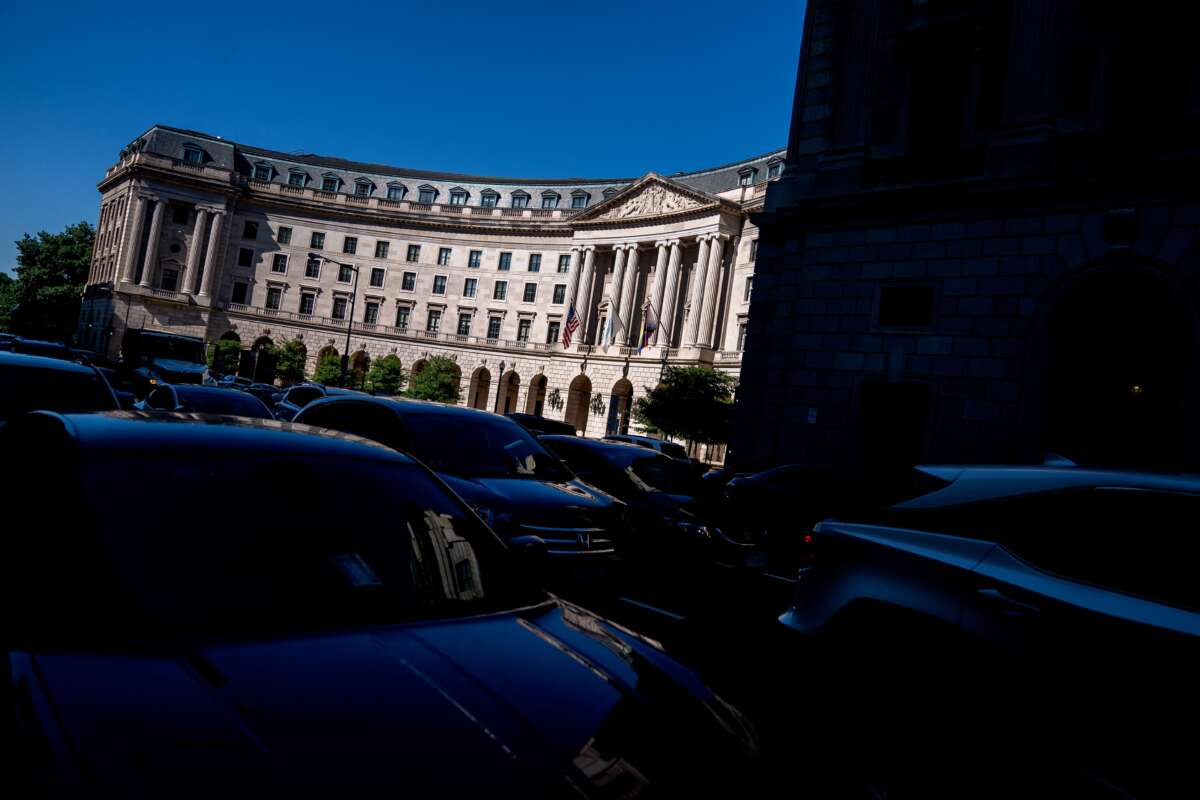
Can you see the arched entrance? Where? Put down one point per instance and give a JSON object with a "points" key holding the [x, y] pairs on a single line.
{"points": [[417, 366], [1119, 352], [536, 400], [620, 403], [481, 384], [579, 395], [510, 387], [356, 377], [259, 364]]}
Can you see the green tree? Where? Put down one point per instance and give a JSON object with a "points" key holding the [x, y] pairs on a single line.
{"points": [[289, 368], [52, 269], [224, 356], [437, 382], [692, 403], [329, 369], [386, 376]]}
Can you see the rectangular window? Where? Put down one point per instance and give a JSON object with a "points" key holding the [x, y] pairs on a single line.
{"points": [[560, 293], [464, 324], [296, 179], [458, 198], [409, 283], [249, 230], [414, 253], [371, 313], [434, 320], [377, 274], [500, 290], [444, 256], [345, 274], [746, 178], [284, 236], [274, 295], [245, 257], [439, 284], [530, 293], [579, 201], [505, 262], [493, 328], [469, 287], [775, 170], [381, 249], [564, 263], [313, 268], [753, 249], [239, 293], [308, 302], [523, 330], [427, 195], [552, 333], [474, 260], [520, 201], [329, 184], [535, 262], [317, 242], [179, 215], [339, 308], [362, 190], [262, 172], [741, 340], [488, 201], [193, 155], [350, 245], [169, 280], [279, 263], [550, 201], [402, 317], [746, 291]]}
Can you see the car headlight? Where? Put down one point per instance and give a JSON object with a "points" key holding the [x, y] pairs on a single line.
{"points": [[492, 516]]}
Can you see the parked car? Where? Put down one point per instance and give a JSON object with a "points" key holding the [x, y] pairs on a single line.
{"points": [[362, 634], [29, 382], [121, 386], [204, 400], [1064, 600], [266, 392], [668, 449], [298, 396], [539, 425], [151, 357], [38, 347], [520, 489], [235, 381]]}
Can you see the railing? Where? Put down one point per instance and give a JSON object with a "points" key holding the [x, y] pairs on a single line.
{"points": [[358, 199], [324, 194], [164, 292], [385, 202], [543, 212], [260, 184], [242, 307], [420, 206], [452, 209], [512, 212], [184, 164], [287, 187]]}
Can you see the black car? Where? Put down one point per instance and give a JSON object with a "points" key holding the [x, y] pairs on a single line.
{"points": [[38, 347], [520, 489], [204, 400], [153, 357], [268, 393], [28, 383], [121, 385], [363, 634], [298, 396], [539, 425]]}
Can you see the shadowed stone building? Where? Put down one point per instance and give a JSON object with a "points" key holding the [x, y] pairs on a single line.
{"points": [[201, 236], [983, 246]]}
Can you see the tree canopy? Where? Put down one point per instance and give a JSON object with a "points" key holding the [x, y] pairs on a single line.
{"points": [[329, 369], [692, 403], [386, 376], [289, 365], [224, 356], [52, 268], [438, 381]]}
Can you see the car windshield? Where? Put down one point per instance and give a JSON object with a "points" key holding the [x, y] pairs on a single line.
{"points": [[653, 472], [170, 347], [37, 388], [217, 402], [480, 447], [674, 450], [356, 551]]}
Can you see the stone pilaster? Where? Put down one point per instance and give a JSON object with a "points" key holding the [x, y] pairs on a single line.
{"points": [[713, 277], [211, 259], [696, 297], [193, 262]]}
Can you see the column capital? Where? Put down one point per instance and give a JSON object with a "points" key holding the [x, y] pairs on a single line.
{"points": [[586, 248]]}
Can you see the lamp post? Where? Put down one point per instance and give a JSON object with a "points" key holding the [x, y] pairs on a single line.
{"points": [[499, 388], [350, 319]]}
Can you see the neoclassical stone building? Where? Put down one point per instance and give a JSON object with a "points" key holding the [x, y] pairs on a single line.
{"points": [[207, 237]]}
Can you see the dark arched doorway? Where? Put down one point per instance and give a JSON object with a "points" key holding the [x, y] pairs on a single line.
{"points": [[259, 364], [579, 395], [620, 403], [360, 364], [535, 401], [481, 384], [510, 387], [1119, 353]]}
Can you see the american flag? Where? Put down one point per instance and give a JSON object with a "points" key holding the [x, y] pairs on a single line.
{"points": [[571, 326]]}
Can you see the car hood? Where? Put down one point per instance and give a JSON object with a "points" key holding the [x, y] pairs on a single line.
{"points": [[551, 701], [534, 502], [174, 367]]}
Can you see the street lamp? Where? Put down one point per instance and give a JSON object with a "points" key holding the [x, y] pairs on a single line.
{"points": [[499, 388], [350, 319]]}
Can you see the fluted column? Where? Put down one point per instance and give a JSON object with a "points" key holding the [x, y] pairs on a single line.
{"points": [[134, 240], [583, 306], [193, 262], [712, 280], [670, 290], [614, 289], [627, 290], [696, 296], [573, 281], [151, 261], [660, 275], [211, 258]]}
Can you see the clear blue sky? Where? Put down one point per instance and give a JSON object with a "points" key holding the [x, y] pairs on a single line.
{"points": [[532, 88]]}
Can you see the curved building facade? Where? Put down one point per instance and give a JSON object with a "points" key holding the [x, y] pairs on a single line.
{"points": [[206, 237]]}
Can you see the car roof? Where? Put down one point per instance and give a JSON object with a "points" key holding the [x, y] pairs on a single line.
{"points": [[968, 484], [410, 406], [193, 389], [43, 362], [602, 444], [192, 433]]}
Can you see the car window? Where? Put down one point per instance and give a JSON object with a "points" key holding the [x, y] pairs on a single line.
{"points": [[302, 396], [661, 474], [231, 402], [362, 419], [162, 399], [674, 450], [33, 388], [480, 446], [366, 543]]}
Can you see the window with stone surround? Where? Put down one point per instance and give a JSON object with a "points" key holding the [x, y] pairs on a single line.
{"points": [[579, 199], [535, 262], [362, 188], [464, 323], [523, 327], [274, 297], [395, 192], [414, 253], [381, 249], [552, 333], [402, 313], [754, 249], [564, 263], [345, 274], [427, 194], [263, 172], [377, 274], [741, 337], [493, 328], [550, 199], [284, 236], [520, 199], [245, 257], [279, 263], [329, 183], [193, 154], [297, 178], [560, 293], [458, 197], [439, 284], [339, 308], [505, 262], [434, 320], [469, 287], [313, 268], [169, 279], [475, 259], [488, 199], [350, 245], [371, 312], [530, 293], [443, 256], [500, 290], [409, 282], [746, 290], [746, 176], [317, 241], [308, 301], [774, 169]]}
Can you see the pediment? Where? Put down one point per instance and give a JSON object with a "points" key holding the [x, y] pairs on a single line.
{"points": [[651, 197]]}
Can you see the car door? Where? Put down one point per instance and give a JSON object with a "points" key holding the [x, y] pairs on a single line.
{"points": [[1092, 598]]}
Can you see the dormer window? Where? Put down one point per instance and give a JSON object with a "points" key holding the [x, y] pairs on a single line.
{"points": [[774, 169], [297, 177], [489, 198], [428, 194], [520, 199], [330, 183], [395, 191], [458, 196], [580, 198], [192, 154], [550, 199], [263, 172], [362, 188], [609, 192], [746, 176]]}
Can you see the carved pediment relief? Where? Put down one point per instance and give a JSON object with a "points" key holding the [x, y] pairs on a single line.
{"points": [[652, 200]]}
